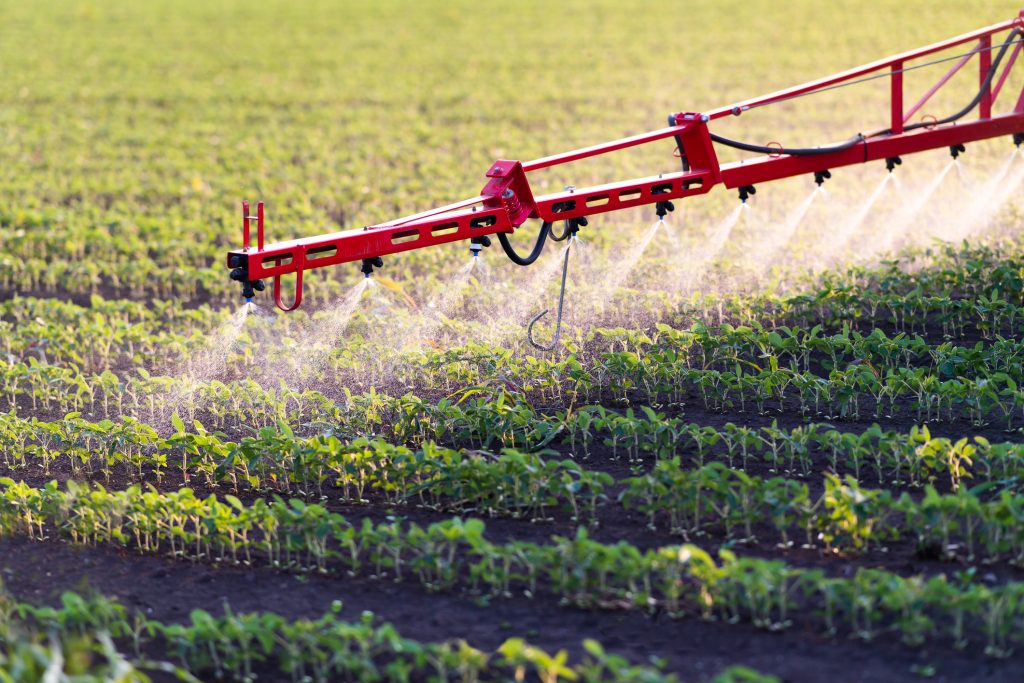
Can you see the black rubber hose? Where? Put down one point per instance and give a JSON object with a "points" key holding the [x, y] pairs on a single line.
{"points": [[510, 251], [564, 235], [797, 152]]}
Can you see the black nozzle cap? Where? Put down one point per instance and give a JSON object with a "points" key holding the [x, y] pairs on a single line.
{"points": [[482, 240], [892, 162], [259, 285], [1018, 139], [663, 207], [236, 261], [746, 192], [239, 274], [957, 150], [821, 176], [370, 263]]}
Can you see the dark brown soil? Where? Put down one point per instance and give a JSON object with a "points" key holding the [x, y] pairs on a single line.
{"points": [[167, 590]]}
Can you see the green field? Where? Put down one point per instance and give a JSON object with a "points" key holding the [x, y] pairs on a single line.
{"points": [[777, 443]]}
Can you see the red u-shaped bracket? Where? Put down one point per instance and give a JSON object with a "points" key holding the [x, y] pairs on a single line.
{"points": [[298, 292]]}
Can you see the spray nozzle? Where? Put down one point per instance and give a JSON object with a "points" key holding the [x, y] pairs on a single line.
{"points": [[956, 150], [821, 176], [1018, 139], [370, 263], [240, 273], [892, 162], [663, 207], [250, 287], [477, 244], [746, 192]]}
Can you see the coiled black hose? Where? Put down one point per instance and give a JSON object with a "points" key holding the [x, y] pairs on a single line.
{"points": [[538, 247], [564, 235]]}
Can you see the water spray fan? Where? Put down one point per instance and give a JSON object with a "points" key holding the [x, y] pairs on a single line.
{"points": [[507, 200]]}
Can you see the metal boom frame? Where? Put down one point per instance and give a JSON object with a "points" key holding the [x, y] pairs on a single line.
{"points": [[507, 201]]}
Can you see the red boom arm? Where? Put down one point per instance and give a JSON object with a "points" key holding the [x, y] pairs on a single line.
{"points": [[507, 201]]}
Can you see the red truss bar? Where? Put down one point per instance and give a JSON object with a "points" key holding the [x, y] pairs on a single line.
{"points": [[507, 200], [941, 82], [1006, 71]]}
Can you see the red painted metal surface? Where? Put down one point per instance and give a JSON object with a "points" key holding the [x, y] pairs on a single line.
{"points": [[984, 63], [507, 201], [1006, 71], [896, 97]]}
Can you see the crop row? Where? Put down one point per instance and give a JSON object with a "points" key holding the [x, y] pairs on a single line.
{"points": [[844, 516], [988, 283], [801, 349], [758, 366], [276, 457], [103, 335], [913, 290], [243, 647], [489, 417], [911, 458], [683, 580], [518, 483], [749, 368], [618, 361]]}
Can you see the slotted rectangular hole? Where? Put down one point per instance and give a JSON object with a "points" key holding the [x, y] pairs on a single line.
{"points": [[562, 207], [661, 188], [598, 200], [483, 222], [405, 236], [699, 182], [276, 261], [321, 252], [445, 229], [630, 195]]}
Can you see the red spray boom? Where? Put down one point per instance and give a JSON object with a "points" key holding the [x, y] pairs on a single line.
{"points": [[507, 201]]}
